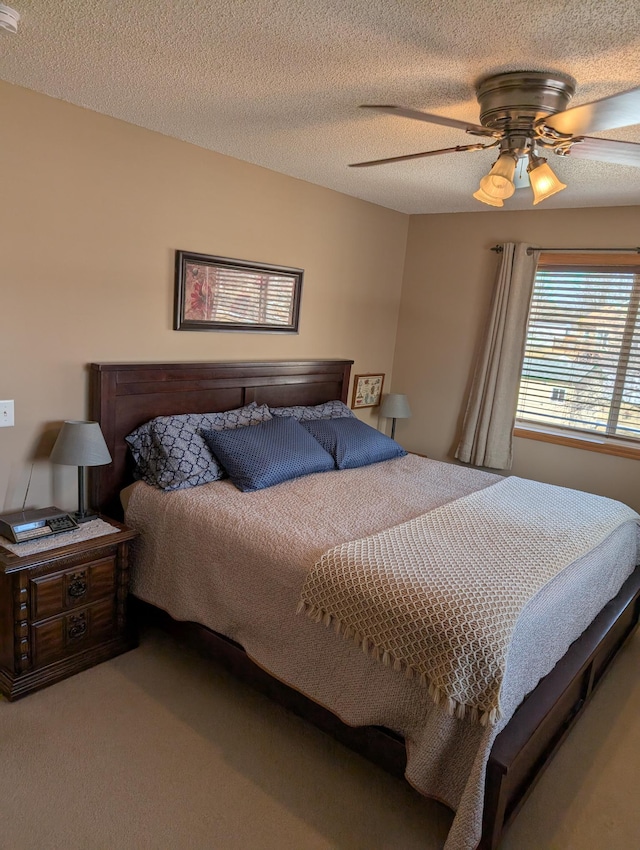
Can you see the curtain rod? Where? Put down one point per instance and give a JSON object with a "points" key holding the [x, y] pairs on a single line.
{"points": [[498, 250]]}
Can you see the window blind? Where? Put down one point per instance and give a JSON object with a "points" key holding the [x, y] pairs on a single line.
{"points": [[581, 368]]}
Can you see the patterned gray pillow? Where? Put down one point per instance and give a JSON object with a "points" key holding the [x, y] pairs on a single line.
{"points": [[171, 454], [305, 413]]}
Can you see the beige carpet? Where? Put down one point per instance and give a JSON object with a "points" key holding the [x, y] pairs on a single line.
{"points": [[161, 750]]}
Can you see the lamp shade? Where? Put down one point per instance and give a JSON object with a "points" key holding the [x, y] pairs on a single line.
{"points": [[80, 444], [395, 406]]}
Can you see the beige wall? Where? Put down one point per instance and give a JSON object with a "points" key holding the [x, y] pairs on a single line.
{"points": [[449, 275], [91, 213], [93, 210]]}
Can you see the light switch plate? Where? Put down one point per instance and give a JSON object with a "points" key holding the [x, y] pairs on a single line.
{"points": [[6, 414]]}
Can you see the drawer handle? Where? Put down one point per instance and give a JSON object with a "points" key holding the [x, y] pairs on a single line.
{"points": [[77, 588], [77, 627]]}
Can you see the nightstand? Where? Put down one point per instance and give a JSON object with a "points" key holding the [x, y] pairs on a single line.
{"points": [[63, 609]]}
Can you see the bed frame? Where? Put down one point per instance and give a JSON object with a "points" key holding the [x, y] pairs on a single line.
{"points": [[124, 395]]}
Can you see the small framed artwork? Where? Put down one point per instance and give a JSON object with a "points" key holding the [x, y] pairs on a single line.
{"points": [[367, 390], [221, 294]]}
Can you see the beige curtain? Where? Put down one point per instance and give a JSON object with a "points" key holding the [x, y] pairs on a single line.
{"points": [[487, 434]]}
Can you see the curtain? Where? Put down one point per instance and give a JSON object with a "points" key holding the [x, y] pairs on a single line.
{"points": [[487, 433]]}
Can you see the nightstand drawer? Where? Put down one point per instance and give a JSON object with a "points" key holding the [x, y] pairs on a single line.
{"points": [[58, 592], [72, 632]]}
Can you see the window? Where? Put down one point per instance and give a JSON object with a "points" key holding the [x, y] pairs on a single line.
{"points": [[581, 369]]}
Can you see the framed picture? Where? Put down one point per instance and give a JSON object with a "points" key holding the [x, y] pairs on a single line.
{"points": [[367, 390], [221, 294]]}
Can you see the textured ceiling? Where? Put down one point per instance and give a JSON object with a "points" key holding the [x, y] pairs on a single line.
{"points": [[278, 82]]}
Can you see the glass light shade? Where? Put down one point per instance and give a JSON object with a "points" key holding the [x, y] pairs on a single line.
{"points": [[481, 195], [544, 182], [498, 183]]}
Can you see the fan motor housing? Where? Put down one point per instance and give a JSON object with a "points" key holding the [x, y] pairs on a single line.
{"points": [[518, 99]]}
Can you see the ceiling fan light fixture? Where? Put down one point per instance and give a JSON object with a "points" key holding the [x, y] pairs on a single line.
{"points": [[544, 182], [492, 201], [525, 111]]}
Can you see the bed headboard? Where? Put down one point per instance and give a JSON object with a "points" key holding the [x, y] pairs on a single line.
{"points": [[125, 395]]}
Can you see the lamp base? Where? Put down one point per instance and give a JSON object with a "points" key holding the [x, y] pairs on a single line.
{"points": [[87, 516], [82, 514]]}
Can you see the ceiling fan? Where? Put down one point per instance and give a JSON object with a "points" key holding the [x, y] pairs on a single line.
{"points": [[523, 113]]}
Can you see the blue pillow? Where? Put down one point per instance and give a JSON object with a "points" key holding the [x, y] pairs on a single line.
{"points": [[268, 453], [353, 443]]}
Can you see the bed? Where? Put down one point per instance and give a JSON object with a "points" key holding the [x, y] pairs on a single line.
{"points": [[123, 396]]}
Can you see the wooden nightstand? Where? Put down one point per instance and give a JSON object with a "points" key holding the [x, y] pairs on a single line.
{"points": [[63, 610]]}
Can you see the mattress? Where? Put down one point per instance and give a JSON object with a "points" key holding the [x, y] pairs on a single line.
{"points": [[236, 562]]}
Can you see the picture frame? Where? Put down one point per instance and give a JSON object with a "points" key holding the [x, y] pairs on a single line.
{"points": [[367, 390], [223, 294]]}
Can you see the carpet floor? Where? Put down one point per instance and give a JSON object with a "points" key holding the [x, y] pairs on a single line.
{"points": [[160, 749]]}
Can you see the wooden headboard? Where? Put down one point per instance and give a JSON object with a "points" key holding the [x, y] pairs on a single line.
{"points": [[123, 396]]}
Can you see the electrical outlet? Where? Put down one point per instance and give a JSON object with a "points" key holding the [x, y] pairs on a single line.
{"points": [[6, 414]]}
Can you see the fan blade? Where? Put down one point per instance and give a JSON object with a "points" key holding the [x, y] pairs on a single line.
{"points": [[606, 150], [618, 110], [477, 147], [406, 112]]}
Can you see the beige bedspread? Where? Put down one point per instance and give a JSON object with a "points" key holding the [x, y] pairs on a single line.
{"points": [[236, 562], [437, 597]]}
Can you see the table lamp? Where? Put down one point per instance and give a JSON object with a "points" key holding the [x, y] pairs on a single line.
{"points": [[81, 444], [395, 406]]}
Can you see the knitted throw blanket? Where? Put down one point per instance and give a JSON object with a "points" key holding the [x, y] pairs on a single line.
{"points": [[438, 597]]}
